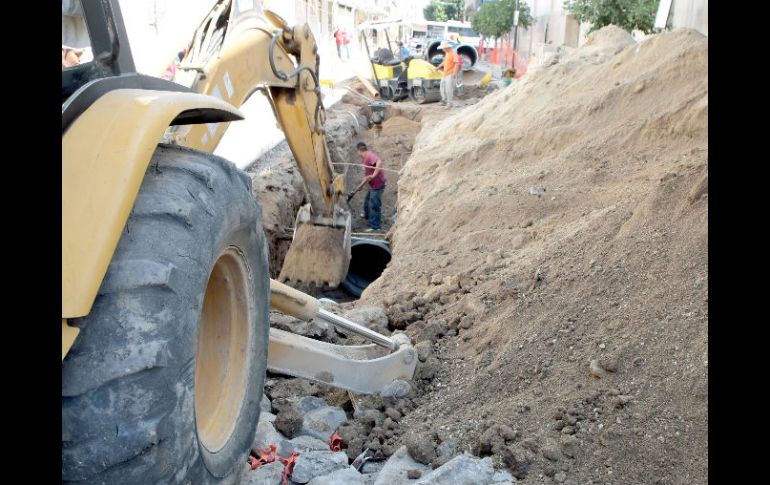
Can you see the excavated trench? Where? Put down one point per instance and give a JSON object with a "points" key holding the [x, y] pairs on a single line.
{"points": [[277, 186]]}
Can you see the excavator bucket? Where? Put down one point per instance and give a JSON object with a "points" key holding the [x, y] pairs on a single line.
{"points": [[318, 255]]}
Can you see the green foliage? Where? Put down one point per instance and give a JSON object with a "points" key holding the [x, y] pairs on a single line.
{"points": [[435, 11], [442, 11], [496, 19], [626, 14]]}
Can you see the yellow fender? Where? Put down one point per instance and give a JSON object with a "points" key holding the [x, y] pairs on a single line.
{"points": [[105, 153], [420, 69]]}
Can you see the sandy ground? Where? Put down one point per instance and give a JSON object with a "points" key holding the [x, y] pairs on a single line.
{"points": [[550, 261], [551, 245]]}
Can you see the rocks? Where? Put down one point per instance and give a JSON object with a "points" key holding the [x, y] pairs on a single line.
{"points": [[309, 403], [313, 464], [322, 422], [288, 421], [560, 477], [286, 388], [502, 478], [609, 363], [397, 468], [393, 414], [345, 476], [595, 369], [302, 444], [413, 474], [372, 317], [495, 439], [551, 453], [421, 446], [445, 452], [569, 446], [426, 370], [266, 436], [424, 350], [264, 405], [314, 328], [463, 469], [270, 474], [269, 417], [518, 460], [432, 331], [397, 389]]}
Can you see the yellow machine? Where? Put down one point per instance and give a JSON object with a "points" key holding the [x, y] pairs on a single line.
{"points": [[165, 283], [397, 79]]}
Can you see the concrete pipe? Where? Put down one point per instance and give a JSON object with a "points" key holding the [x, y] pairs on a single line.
{"points": [[368, 259], [470, 55]]}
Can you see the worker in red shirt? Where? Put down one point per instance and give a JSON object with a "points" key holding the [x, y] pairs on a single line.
{"points": [[373, 174], [339, 39]]}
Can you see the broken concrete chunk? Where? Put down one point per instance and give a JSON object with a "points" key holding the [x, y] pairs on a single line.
{"points": [[270, 474], [463, 469], [266, 436], [302, 444], [264, 405], [321, 423], [309, 403], [397, 389], [397, 467], [265, 416], [346, 476], [502, 478], [313, 464]]}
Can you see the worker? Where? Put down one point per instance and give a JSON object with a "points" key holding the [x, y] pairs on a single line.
{"points": [[346, 38], [451, 66], [403, 52], [339, 39], [375, 176], [70, 56]]}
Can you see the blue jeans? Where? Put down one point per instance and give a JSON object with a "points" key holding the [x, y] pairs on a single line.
{"points": [[372, 207]]}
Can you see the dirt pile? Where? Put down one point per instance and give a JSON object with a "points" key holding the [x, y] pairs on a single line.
{"points": [[550, 256]]}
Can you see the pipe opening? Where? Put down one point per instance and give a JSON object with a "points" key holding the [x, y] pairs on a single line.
{"points": [[368, 259]]}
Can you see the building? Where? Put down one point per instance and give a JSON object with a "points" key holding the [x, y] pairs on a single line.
{"points": [[692, 14]]}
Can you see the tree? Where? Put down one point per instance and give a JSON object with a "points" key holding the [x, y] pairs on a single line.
{"points": [[442, 11], [626, 14], [496, 19], [435, 11]]}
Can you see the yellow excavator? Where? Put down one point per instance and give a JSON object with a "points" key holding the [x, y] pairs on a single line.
{"points": [[165, 283]]}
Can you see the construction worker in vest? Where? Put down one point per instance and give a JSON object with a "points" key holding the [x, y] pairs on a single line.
{"points": [[451, 65]]}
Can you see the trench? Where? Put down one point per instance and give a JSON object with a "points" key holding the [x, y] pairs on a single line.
{"points": [[279, 189]]}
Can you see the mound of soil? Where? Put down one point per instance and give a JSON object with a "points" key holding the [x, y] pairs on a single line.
{"points": [[551, 249]]}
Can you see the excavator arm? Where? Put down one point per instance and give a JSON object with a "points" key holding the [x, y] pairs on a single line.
{"points": [[237, 51]]}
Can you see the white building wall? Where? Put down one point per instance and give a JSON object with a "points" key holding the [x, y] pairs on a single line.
{"points": [[693, 14]]}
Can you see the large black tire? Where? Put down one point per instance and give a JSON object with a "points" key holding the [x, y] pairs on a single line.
{"points": [[130, 412], [417, 94]]}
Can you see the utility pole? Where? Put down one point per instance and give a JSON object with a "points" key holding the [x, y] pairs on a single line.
{"points": [[516, 26]]}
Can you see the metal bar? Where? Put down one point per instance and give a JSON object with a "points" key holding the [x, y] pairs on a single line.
{"points": [[297, 304], [355, 328], [361, 369]]}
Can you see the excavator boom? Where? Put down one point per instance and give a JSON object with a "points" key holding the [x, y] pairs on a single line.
{"points": [[237, 51]]}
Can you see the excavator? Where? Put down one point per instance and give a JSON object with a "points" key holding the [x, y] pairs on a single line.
{"points": [[165, 284]]}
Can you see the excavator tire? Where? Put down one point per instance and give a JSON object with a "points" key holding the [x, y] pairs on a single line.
{"points": [[164, 382]]}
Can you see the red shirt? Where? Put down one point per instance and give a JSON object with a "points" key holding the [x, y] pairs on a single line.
{"points": [[370, 159], [339, 36]]}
